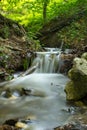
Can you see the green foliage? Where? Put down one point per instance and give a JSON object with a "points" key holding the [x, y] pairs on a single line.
{"points": [[4, 31], [3, 58], [32, 14], [8, 77], [36, 43], [75, 33], [25, 64]]}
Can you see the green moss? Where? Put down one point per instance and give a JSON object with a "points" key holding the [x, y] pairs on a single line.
{"points": [[4, 32], [79, 103], [75, 75], [84, 56], [75, 90]]}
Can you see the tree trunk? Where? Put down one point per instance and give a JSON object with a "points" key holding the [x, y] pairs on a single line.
{"points": [[44, 12]]}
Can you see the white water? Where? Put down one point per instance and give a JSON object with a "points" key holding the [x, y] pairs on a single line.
{"points": [[47, 102], [48, 62], [47, 109]]}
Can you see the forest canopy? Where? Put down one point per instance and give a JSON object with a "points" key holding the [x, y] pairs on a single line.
{"points": [[33, 14], [37, 12]]}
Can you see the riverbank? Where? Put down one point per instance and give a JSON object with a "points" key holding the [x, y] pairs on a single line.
{"points": [[14, 48]]}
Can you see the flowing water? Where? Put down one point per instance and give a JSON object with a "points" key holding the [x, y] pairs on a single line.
{"points": [[48, 62], [46, 105]]}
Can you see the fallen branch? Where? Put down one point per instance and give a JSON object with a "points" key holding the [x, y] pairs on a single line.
{"points": [[29, 71]]}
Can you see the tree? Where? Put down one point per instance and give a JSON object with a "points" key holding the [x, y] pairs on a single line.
{"points": [[45, 4], [44, 9]]}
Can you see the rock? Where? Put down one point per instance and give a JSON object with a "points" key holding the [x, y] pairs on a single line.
{"points": [[76, 121], [84, 55], [66, 127], [11, 122], [33, 92], [65, 63], [76, 89], [21, 125], [7, 127]]}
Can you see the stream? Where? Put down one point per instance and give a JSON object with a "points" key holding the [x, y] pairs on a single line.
{"points": [[44, 103]]}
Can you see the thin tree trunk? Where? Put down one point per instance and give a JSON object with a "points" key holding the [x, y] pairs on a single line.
{"points": [[44, 12]]}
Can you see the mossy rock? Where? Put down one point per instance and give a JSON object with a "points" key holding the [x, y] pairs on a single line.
{"points": [[84, 56], [75, 75], [75, 91]]}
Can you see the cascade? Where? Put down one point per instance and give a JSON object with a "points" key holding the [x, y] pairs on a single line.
{"points": [[48, 61], [44, 101]]}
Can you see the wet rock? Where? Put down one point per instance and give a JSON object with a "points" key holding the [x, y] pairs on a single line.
{"points": [[65, 63], [11, 122], [33, 92], [6, 93], [76, 89], [84, 55], [16, 124], [66, 127], [11, 94], [21, 125], [7, 127], [4, 75], [26, 91], [77, 120]]}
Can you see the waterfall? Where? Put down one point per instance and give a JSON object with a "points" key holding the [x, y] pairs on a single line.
{"points": [[47, 61], [38, 94]]}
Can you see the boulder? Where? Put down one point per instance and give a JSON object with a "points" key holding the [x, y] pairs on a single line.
{"points": [[76, 88]]}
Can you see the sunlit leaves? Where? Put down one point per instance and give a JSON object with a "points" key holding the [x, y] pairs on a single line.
{"points": [[30, 12], [31, 8]]}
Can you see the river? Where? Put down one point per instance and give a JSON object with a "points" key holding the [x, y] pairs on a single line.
{"points": [[44, 103]]}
